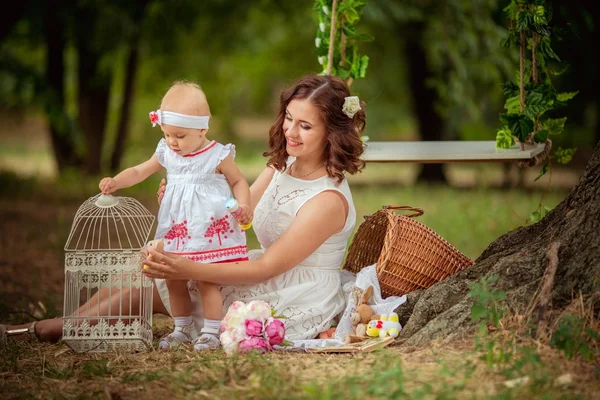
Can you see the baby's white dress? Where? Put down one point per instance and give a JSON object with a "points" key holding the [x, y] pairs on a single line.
{"points": [[192, 219], [310, 294]]}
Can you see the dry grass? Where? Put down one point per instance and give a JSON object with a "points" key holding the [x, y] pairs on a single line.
{"points": [[441, 370]]}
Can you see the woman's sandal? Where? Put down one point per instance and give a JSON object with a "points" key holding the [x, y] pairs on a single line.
{"points": [[6, 333]]}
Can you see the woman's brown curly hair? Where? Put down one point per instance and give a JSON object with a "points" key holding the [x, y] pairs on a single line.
{"points": [[344, 147]]}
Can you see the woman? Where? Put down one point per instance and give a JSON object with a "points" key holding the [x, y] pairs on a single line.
{"points": [[303, 217]]}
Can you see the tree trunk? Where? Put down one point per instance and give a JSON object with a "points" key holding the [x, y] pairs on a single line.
{"points": [[61, 128], [519, 259], [9, 19], [424, 98], [94, 89], [137, 15], [123, 128]]}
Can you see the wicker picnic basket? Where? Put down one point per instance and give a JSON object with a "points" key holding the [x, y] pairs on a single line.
{"points": [[409, 254]]}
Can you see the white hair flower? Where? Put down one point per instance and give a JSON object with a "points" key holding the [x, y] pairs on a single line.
{"points": [[322, 27], [317, 42], [351, 106], [322, 60], [325, 10]]}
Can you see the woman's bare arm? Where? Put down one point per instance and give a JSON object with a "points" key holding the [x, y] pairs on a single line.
{"points": [[257, 189], [317, 220]]}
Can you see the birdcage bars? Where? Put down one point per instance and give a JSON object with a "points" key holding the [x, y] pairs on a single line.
{"points": [[102, 261]]}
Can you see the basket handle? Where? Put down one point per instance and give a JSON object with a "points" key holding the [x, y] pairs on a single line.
{"points": [[416, 211]]}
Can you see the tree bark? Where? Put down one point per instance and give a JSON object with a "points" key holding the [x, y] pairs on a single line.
{"points": [[61, 128], [424, 98], [137, 14], [8, 19], [94, 89], [123, 128], [519, 259]]}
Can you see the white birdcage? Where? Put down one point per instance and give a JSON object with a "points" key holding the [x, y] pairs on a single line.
{"points": [[102, 261]]}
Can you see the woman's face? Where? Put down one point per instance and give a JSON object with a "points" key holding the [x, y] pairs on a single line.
{"points": [[304, 130]]}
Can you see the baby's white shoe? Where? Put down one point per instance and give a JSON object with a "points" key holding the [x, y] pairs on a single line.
{"points": [[180, 335], [208, 340]]}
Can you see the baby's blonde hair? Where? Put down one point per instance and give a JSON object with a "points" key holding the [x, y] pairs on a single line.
{"points": [[186, 97]]}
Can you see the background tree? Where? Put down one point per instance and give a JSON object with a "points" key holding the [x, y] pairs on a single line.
{"points": [[560, 251], [452, 61]]}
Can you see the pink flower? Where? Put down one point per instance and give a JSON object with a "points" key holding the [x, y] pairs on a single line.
{"points": [[230, 346], [236, 305], [254, 343], [275, 331], [259, 309], [235, 317], [253, 327]]}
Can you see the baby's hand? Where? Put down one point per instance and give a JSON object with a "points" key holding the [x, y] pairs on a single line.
{"points": [[108, 185], [245, 215]]}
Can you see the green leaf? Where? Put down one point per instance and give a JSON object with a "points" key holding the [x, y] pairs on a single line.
{"points": [[349, 31], [535, 217], [362, 37], [563, 156], [535, 104], [513, 105], [504, 139], [364, 63], [554, 126], [520, 125], [540, 136], [351, 15], [542, 172], [539, 17], [477, 312], [566, 96], [545, 49], [510, 89], [558, 72]]}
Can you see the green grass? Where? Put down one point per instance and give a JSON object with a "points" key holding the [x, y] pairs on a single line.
{"points": [[470, 219], [438, 372]]}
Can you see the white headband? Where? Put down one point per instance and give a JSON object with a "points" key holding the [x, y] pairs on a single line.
{"points": [[175, 119]]}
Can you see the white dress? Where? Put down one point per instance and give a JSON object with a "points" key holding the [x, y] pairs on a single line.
{"points": [[192, 219], [310, 294]]}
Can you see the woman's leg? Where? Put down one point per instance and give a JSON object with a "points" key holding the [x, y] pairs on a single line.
{"points": [[50, 330]]}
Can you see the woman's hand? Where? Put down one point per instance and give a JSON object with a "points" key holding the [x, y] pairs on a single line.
{"points": [[161, 190], [165, 266]]}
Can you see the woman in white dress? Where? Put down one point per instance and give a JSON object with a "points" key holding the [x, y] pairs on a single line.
{"points": [[303, 213], [303, 217]]}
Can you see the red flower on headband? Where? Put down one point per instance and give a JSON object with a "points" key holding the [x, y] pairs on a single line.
{"points": [[153, 118]]}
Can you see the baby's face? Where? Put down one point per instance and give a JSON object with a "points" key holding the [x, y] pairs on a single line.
{"points": [[184, 141]]}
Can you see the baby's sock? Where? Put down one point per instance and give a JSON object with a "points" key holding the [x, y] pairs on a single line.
{"points": [[209, 335], [183, 333], [212, 324]]}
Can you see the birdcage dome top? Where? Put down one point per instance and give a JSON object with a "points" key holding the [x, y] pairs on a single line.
{"points": [[110, 223]]}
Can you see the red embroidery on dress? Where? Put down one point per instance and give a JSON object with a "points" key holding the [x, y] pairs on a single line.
{"points": [[209, 255], [204, 150], [218, 227], [178, 232]]}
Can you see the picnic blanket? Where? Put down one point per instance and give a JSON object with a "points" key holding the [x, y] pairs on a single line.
{"points": [[365, 278]]}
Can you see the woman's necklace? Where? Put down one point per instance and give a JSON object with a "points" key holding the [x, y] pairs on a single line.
{"points": [[310, 173]]}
